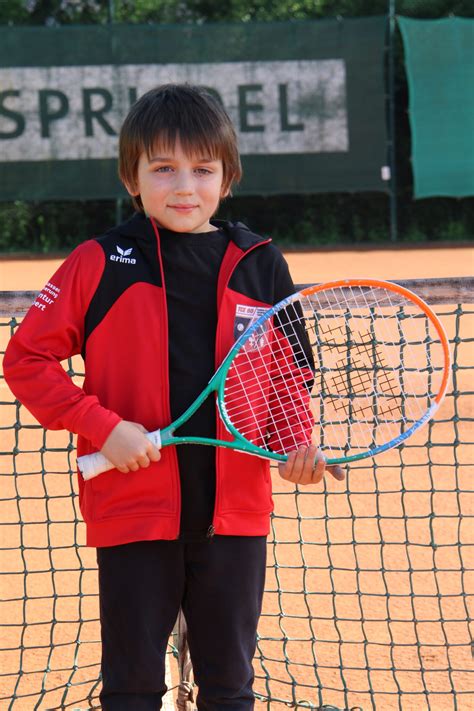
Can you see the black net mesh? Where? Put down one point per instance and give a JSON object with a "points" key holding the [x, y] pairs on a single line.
{"points": [[367, 600]]}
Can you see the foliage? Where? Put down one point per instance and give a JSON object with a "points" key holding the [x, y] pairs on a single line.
{"points": [[15, 220], [60, 12], [292, 221], [53, 12], [51, 226], [362, 218]]}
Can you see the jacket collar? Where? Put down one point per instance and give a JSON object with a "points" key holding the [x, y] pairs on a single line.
{"points": [[139, 226], [240, 234]]}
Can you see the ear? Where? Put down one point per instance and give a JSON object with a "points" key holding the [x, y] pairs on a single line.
{"points": [[131, 189]]}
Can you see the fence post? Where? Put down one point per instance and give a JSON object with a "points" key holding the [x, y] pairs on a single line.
{"points": [[391, 121], [111, 9]]}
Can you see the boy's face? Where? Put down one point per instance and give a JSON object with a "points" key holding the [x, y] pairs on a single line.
{"points": [[180, 192]]}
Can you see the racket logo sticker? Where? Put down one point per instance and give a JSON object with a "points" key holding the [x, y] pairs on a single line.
{"points": [[123, 256], [245, 316]]}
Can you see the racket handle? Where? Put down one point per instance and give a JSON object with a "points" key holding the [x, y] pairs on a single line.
{"points": [[91, 465]]}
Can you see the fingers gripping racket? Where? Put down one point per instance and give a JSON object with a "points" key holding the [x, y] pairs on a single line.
{"points": [[356, 366]]}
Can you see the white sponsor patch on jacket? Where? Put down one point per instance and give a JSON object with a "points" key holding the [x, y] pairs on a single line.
{"points": [[47, 296], [246, 316]]}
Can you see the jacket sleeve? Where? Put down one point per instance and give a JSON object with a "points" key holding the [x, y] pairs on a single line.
{"points": [[52, 331], [292, 374]]}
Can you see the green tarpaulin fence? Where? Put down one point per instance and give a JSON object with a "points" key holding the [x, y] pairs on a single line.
{"points": [[439, 57]]}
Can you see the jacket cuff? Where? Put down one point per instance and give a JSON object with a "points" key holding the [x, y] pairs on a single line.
{"points": [[99, 426]]}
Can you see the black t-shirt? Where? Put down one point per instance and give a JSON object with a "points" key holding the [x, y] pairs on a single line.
{"points": [[191, 265]]}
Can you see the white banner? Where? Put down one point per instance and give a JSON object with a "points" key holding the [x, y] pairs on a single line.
{"points": [[75, 112]]}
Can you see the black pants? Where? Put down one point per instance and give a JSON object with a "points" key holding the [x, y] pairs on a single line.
{"points": [[218, 583]]}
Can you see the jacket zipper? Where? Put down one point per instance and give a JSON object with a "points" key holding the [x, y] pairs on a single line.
{"points": [[166, 402]]}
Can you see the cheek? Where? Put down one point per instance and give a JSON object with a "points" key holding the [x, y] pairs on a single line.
{"points": [[156, 184], [212, 190]]}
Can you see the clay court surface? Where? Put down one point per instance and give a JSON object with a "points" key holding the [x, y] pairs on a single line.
{"points": [[368, 580], [306, 267]]}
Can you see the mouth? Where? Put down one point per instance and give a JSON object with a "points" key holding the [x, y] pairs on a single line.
{"points": [[182, 208]]}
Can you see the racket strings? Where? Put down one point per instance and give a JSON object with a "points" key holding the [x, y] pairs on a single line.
{"points": [[345, 379], [356, 387], [374, 357], [364, 373], [273, 371], [350, 367], [390, 339]]}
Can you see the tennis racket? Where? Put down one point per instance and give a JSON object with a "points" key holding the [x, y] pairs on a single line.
{"points": [[356, 366]]}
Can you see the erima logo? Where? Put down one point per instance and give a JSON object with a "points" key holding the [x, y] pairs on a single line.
{"points": [[123, 256]]}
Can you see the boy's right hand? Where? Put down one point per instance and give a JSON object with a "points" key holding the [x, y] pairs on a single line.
{"points": [[128, 448]]}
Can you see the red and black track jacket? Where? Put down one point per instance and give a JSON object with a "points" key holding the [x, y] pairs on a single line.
{"points": [[107, 301]]}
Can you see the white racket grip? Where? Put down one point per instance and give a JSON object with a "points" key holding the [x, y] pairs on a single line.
{"points": [[91, 465]]}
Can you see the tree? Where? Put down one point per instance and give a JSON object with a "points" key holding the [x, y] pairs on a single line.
{"points": [[60, 12]]}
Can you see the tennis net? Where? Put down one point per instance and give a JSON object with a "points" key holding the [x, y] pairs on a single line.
{"points": [[369, 586]]}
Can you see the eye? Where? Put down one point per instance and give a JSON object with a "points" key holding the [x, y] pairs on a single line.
{"points": [[162, 169], [203, 171]]}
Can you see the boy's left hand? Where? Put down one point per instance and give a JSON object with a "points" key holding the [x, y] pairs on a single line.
{"points": [[306, 465]]}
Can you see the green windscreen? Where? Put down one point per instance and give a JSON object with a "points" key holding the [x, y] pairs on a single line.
{"points": [[306, 102], [440, 66]]}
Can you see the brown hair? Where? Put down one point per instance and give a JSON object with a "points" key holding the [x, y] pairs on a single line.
{"points": [[189, 113]]}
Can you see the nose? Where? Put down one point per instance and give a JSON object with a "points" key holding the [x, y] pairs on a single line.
{"points": [[184, 183]]}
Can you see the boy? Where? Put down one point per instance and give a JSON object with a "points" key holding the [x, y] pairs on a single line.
{"points": [[151, 306]]}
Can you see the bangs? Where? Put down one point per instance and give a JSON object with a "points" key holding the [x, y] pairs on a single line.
{"points": [[194, 146], [188, 115]]}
